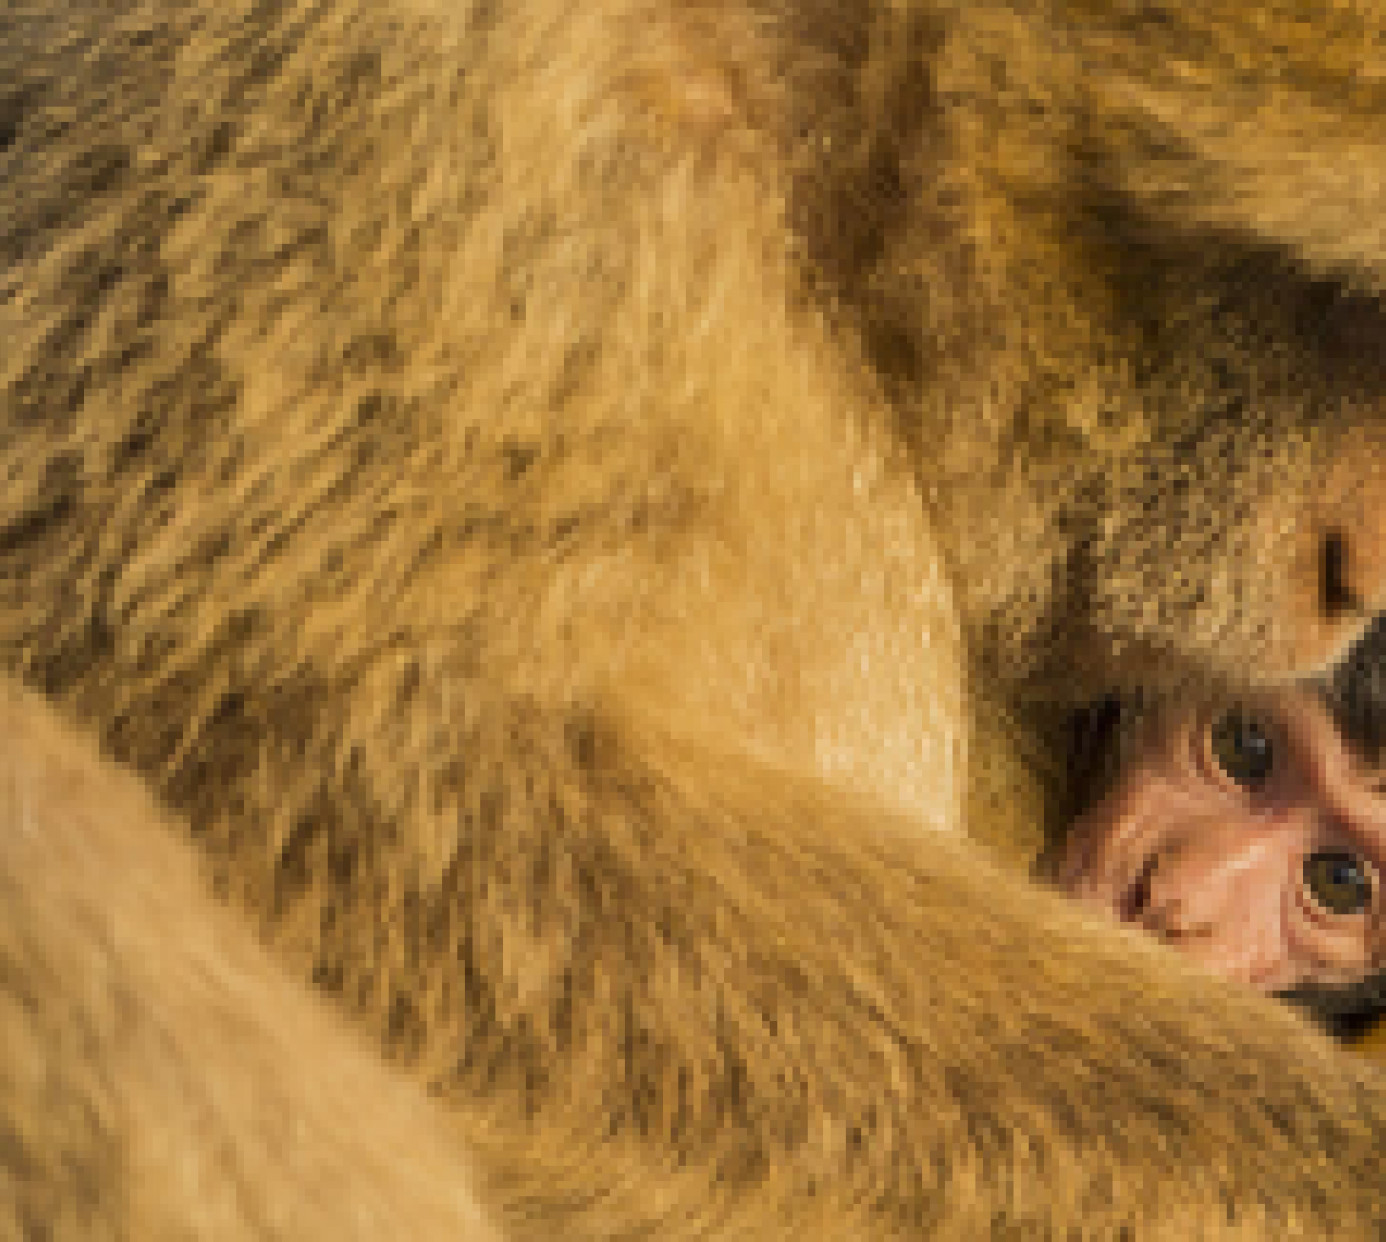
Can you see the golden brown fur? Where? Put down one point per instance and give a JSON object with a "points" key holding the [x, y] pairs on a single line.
{"points": [[162, 1078], [546, 489]]}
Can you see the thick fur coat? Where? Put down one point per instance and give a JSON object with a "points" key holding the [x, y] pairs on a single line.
{"points": [[548, 492]]}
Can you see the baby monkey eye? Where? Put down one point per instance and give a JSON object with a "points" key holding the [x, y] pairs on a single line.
{"points": [[1338, 881], [1243, 749]]}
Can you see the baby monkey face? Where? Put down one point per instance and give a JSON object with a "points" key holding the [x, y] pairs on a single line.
{"points": [[1248, 835]]}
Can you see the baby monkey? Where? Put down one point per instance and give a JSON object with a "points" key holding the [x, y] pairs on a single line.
{"points": [[1249, 834]]}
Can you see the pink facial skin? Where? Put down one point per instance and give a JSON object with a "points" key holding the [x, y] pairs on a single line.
{"points": [[1217, 868]]}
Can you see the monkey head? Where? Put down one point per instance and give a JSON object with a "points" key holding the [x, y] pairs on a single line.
{"points": [[1250, 835]]}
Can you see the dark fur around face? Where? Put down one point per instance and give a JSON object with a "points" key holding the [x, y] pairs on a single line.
{"points": [[544, 489], [1356, 693]]}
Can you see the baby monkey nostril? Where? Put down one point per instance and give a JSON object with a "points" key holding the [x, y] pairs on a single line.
{"points": [[1137, 898]]}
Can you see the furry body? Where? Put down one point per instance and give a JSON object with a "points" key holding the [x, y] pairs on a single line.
{"points": [[542, 488]]}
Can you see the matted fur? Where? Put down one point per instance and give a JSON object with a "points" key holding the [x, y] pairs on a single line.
{"points": [[545, 489]]}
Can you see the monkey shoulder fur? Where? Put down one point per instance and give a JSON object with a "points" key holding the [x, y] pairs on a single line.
{"points": [[543, 491]]}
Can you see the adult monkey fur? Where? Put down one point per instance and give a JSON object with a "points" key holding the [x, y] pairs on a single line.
{"points": [[546, 492], [161, 1079]]}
